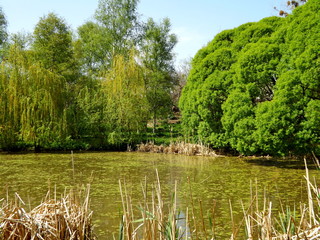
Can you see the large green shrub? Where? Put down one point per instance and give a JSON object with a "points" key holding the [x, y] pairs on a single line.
{"points": [[255, 88]]}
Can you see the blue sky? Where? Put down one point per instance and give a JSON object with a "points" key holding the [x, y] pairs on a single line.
{"points": [[194, 21]]}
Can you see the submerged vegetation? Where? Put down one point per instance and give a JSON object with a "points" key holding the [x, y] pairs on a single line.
{"points": [[209, 204], [161, 217]]}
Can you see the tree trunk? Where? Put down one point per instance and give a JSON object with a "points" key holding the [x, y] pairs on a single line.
{"points": [[154, 122]]}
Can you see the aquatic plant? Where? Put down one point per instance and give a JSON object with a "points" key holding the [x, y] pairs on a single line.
{"points": [[159, 219], [156, 220]]}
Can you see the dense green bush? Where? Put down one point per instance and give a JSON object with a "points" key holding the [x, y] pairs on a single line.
{"points": [[256, 88]]}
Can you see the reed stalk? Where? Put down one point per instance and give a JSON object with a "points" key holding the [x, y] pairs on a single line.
{"points": [[64, 219], [262, 225], [157, 220], [202, 220], [195, 230]]}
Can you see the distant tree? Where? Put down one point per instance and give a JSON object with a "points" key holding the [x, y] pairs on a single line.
{"points": [[119, 19], [105, 43], [114, 31], [279, 121], [54, 50], [52, 43], [206, 90], [93, 48], [238, 121], [241, 60], [3, 31], [21, 39], [182, 73], [255, 89], [126, 110], [3, 27], [32, 109], [157, 57]]}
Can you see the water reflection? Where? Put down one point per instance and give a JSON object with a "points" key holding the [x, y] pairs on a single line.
{"points": [[212, 180], [282, 163]]}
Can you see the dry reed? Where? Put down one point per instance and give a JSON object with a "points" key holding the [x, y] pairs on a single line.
{"points": [[183, 148], [67, 218], [155, 221], [259, 219], [262, 225]]}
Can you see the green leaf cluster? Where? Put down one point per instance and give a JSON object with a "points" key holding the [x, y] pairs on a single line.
{"points": [[255, 89]]}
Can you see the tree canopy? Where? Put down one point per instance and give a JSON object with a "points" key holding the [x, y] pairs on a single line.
{"points": [[157, 58], [255, 89], [97, 89], [3, 31]]}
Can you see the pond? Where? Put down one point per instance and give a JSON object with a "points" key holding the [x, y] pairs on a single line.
{"points": [[222, 179]]}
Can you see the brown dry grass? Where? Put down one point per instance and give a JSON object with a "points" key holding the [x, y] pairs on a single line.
{"points": [[183, 148], [66, 218], [261, 224]]}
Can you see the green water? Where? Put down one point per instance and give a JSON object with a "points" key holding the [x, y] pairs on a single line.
{"points": [[221, 179]]}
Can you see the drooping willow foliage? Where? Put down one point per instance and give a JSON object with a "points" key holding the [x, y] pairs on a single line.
{"points": [[126, 108], [32, 105]]}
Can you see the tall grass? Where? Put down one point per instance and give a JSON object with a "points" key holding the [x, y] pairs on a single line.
{"points": [[301, 222], [155, 221], [260, 221]]}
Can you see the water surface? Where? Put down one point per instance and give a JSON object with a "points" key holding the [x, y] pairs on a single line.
{"points": [[222, 179]]}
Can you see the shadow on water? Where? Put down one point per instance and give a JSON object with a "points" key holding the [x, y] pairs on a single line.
{"points": [[282, 163]]}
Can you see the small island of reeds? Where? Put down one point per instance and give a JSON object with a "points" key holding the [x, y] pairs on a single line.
{"points": [[65, 218]]}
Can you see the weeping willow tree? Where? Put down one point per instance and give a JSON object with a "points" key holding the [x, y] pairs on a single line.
{"points": [[126, 110], [32, 108], [89, 117], [36, 86]]}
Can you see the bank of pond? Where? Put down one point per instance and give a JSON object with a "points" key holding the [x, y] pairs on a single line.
{"points": [[136, 195]]}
